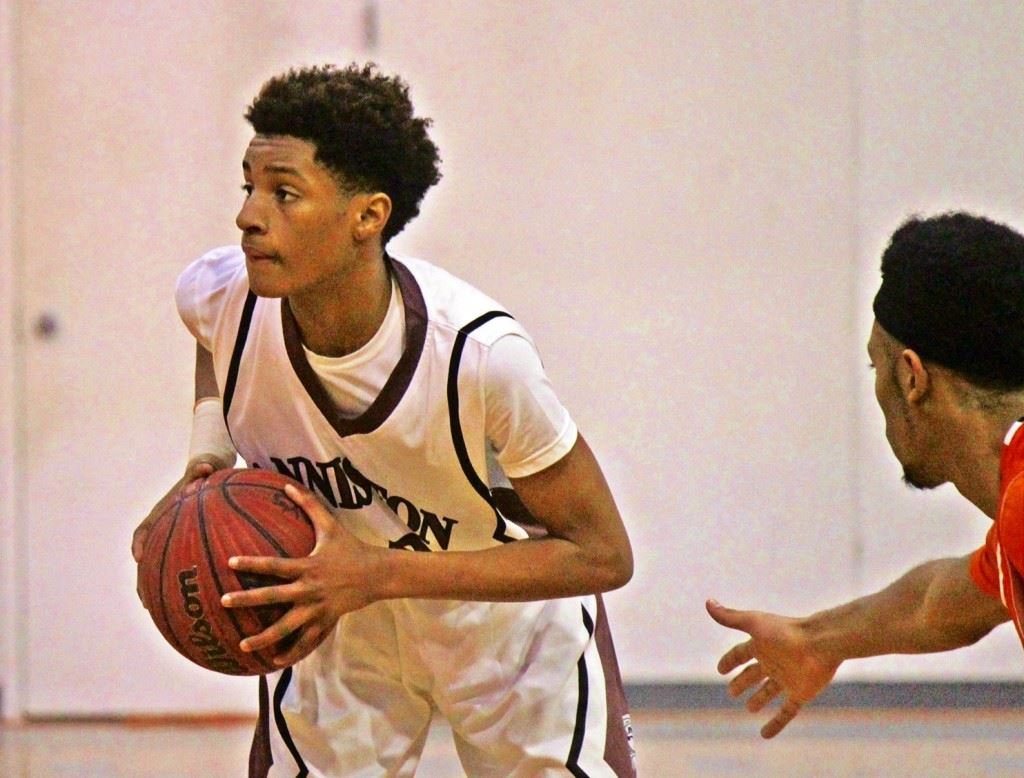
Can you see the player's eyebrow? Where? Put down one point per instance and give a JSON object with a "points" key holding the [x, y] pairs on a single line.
{"points": [[286, 170]]}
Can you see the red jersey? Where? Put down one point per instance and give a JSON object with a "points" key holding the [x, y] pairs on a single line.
{"points": [[998, 566]]}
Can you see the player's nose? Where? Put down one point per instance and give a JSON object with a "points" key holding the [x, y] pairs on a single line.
{"points": [[250, 219]]}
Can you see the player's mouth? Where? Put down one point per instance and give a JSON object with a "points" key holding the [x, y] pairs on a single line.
{"points": [[256, 255]]}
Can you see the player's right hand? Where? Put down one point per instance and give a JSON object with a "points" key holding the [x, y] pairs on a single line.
{"points": [[779, 659], [332, 581], [196, 469]]}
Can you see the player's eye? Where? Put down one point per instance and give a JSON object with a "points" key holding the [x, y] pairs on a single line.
{"points": [[871, 366], [247, 188], [284, 195]]}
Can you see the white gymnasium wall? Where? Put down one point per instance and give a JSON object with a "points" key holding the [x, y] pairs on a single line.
{"points": [[683, 202]]}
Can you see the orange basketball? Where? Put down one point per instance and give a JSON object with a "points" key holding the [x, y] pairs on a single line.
{"points": [[184, 568]]}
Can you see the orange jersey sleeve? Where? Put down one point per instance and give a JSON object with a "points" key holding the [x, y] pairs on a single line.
{"points": [[985, 565]]}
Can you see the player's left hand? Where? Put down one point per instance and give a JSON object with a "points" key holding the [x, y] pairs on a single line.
{"points": [[322, 587]]}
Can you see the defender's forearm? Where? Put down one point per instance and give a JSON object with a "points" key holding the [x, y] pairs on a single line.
{"points": [[934, 607]]}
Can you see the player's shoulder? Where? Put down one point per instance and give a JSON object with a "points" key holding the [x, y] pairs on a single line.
{"points": [[210, 287], [214, 271], [436, 280], [221, 263], [1011, 504], [1010, 521], [455, 303], [1011, 462]]}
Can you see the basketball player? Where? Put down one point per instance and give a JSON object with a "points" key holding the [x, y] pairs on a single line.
{"points": [[464, 527], [947, 347]]}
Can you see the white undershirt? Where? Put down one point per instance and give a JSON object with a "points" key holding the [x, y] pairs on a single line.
{"points": [[354, 380], [525, 422]]}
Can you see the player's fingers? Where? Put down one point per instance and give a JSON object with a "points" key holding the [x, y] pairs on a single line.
{"points": [[769, 690], [264, 595], [139, 542], [198, 469], [751, 675], [778, 722], [728, 617], [281, 567], [310, 638], [323, 519], [276, 632], [737, 655], [138, 587]]}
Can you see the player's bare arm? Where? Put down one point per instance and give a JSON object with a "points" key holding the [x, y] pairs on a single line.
{"points": [[934, 607], [203, 460], [587, 550]]}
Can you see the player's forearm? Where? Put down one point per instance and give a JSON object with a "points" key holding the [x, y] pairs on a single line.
{"points": [[934, 607], [523, 570], [586, 550], [210, 441]]}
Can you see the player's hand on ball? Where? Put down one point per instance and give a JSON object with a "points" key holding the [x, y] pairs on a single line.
{"points": [[778, 659], [196, 469], [333, 580]]}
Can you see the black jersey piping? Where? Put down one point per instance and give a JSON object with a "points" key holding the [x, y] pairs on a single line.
{"points": [[583, 699], [282, 724], [458, 439], [236, 354]]}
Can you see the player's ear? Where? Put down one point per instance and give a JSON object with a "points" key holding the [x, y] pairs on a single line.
{"points": [[914, 377], [373, 212]]}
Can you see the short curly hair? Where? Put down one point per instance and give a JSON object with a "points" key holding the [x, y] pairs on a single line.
{"points": [[953, 290], [363, 127]]}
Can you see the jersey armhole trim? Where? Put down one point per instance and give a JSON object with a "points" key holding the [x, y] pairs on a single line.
{"points": [[236, 354], [458, 439]]}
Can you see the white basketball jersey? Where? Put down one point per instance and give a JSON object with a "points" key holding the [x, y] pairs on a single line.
{"points": [[414, 470]]}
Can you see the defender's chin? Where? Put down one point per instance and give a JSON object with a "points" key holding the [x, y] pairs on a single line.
{"points": [[922, 481]]}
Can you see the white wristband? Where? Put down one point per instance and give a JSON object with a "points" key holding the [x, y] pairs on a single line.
{"points": [[210, 436]]}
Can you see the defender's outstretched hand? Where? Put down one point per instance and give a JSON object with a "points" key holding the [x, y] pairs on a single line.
{"points": [[779, 659]]}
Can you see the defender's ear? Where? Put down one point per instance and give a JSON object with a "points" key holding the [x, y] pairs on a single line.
{"points": [[914, 378], [373, 212]]}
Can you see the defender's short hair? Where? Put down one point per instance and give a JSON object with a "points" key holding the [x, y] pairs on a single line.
{"points": [[953, 291], [363, 127]]}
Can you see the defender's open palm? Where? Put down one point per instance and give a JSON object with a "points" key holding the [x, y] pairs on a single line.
{"points": [[779, 660]]}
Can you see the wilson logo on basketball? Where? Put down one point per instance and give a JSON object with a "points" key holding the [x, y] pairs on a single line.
{"points": [[201, 633]]}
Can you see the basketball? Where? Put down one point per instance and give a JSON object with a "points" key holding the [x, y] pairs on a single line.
{"points": [[184, 568]]}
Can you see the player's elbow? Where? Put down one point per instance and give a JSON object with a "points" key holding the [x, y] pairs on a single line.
{"points": [[616, 569], [624, 573]]}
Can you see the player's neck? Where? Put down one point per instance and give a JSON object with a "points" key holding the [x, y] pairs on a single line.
{"points": [[978, 445], [341, 315]]}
